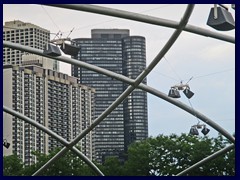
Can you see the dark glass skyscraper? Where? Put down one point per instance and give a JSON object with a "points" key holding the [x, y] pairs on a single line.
{"points": [[117, 51]]}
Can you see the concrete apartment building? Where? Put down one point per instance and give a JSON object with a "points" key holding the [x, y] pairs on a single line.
{"points": [[52, 99], [26, 34]]}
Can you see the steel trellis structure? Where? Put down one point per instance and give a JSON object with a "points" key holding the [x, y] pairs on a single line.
{"points": [[128, 81], [54, 135], [145, 19], [182, 25]]}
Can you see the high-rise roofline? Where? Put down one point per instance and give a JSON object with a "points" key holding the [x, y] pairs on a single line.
{"points": [[18, 24]]}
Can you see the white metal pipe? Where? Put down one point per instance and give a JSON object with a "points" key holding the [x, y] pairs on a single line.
{"points": [[141, 76], [68, 60], [189, 110], [126, 80], [207, 159], [144, 19], [146, 72], [130, 88], [61, 153], [215, 11], [54, 135], [37, 125]]}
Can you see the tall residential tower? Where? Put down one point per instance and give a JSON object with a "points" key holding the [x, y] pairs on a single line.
{"points": [[26, 34], [117, 51], [50, 98]]}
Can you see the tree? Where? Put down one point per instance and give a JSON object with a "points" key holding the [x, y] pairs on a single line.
{"points": [[112, 167], [138, 159], [68, 165], [159, 156], [169, 155], [12, 165]]}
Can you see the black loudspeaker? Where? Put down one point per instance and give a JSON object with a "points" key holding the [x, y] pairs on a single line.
{"points": [[193, 131], [70, 49], [6, 144], [224, 21], [174, 93], [205, 130], [51, 50], [188, 93]]}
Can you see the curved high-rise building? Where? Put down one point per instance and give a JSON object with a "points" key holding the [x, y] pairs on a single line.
{"points": [[117, 51], [135, 105]]}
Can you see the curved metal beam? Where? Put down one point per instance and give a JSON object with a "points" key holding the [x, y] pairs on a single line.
{"points": [[61, 153], [54, 135], [130, 88], [37, 125], [128, 81], [207, 159], [144, 18], [141, 76], [163, 96], [189, 110]]}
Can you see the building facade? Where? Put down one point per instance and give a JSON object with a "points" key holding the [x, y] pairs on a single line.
{"points": [[50, 98], [26, 34], [117, 51]]}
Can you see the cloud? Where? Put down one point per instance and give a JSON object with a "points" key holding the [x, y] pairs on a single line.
{"points": [[218, 52]]}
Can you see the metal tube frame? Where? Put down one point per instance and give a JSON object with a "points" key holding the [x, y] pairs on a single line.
{"points": [[126, 80], [137, 83], [54, 135], [144, 19], [130, 88], [207, 159]]}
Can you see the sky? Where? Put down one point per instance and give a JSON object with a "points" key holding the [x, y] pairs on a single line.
{"points": [[209, 62]]}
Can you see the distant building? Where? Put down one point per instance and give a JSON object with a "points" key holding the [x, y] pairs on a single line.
{"points": [[25, 34], [33, 59], [50, 98], [117, 51]]}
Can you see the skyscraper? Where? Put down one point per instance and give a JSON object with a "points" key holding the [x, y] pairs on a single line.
{"points": [[25, 34], [115, 50], [50, 98]]}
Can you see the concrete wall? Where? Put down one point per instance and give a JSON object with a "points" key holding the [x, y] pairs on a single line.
{"points": [[7, 101]]}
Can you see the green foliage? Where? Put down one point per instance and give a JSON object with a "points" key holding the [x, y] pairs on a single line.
{"points": [[169, 155], [68, 165], [112, 167], [159, 156], [138, 159], [12, 166]]}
